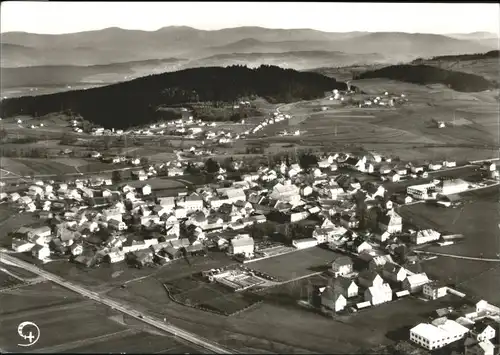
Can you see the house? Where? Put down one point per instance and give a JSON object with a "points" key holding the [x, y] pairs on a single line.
{"points": [[378, 294], [146, 190], [346, 287], [192, 202], [393, 176], [434, 290], [349, 221], [115, 256], [391, 222], [242, 244], [482, 330], [342, 265], [449, 163], [21, 245], [304, 243], [415, 283], [484, 347], [41, 252], [425, 236], [369, 278], [332, 299], [117, 225], [287, 193], [379, 261], [76, 249], [361, 246], [175, 171], [394, 272]]}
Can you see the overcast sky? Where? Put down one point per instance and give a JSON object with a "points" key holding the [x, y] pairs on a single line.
{"points": [[66, 17]]}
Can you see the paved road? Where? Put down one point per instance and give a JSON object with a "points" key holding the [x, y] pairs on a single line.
{"points": [[190, 337], [457, 256]]}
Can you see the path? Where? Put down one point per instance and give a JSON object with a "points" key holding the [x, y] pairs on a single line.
{"points": [[457, 256]]}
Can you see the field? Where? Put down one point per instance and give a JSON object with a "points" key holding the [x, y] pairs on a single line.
{"points": [[477, 220], [193, 291], [296, 264], [158, 183], [68, 323], [11, 222], [407, 131]]}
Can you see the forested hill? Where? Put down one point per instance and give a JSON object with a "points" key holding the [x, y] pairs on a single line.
{"points": [[136, 102], [476, 56], [425, 75]]}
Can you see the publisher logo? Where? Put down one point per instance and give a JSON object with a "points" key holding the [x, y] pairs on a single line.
{"points": [[29, 332]]}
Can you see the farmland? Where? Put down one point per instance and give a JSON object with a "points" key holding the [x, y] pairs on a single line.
{"points": [[68, 323], [477, 220], [296, 264], [195, 292], [407, 131]]}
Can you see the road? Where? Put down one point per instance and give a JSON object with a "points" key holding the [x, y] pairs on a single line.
{"points": [[190, 337], [457, 256]]}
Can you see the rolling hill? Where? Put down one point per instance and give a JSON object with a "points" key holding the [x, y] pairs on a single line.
{"points": [[425, 75], [137, 101], [114, 45]]}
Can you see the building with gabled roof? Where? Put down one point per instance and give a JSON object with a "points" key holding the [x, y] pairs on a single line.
{"points": [[415, 283]]}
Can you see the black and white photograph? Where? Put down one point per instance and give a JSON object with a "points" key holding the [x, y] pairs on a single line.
{"points": [[250, 177]]}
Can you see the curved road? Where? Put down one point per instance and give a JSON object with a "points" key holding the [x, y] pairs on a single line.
{"points": [[456, 256], [190, 337]]}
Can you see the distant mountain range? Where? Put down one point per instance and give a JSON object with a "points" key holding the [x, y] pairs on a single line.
{"points": [[95, 53]]}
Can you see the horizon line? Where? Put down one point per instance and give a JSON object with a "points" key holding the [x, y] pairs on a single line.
{"points": [[237, 27]]}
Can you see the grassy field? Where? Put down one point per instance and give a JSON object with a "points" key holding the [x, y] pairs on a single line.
{"points": [[7, 281], [296, 264], [158, 183], [135, 343], [477, 220], [194, 291], [407, 131]]}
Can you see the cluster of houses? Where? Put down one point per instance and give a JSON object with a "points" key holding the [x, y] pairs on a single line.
{"points": [[475, 326]]}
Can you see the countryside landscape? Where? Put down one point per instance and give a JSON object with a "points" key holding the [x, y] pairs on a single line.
{"points": [[248, 189]]}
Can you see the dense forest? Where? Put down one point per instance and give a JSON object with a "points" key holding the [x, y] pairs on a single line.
{"points": [[425, 74], [476, 56], [136, 102]]}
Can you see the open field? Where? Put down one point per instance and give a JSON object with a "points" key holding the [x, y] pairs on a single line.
{"points": [[158, 183], [194, 291], [136, 342], [32, 166], [402, 130], [296, 264], [477, 220], [6, 280]]}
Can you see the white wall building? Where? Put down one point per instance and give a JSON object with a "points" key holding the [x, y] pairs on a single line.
{"points": [[242, 244], [435, 336]]}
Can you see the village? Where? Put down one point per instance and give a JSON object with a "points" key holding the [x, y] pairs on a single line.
{"points": [[345, 202]]}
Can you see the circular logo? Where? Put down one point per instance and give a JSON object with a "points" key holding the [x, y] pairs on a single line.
{"points": [[30, 332]]}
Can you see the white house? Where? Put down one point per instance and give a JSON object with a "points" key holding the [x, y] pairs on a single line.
{"points": [[305, 243], [342, 266], [242, 244], [434, 290], [415, 283], [346, 287], [41, 252], [332, 299], [391, 222], [378, 294], [394, 272], [146, 190]]}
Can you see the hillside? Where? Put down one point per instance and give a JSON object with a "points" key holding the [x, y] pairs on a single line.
{"points": [[63, 75], [482, 64], [136, 102], [425, 75]]}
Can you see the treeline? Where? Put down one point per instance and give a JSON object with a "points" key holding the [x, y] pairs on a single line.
{"points": [[475, 56], [425, 75], [135, 102]]}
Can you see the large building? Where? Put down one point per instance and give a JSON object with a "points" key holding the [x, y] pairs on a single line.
{"points": [[451, 186], [437, 335], [420, 192]]}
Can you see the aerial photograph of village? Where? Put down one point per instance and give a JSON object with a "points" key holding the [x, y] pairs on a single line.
{"points": [[248, 178]]}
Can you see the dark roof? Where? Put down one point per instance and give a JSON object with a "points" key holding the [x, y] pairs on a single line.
{"points": [[343, 282], [343, 260], [368, 275]]}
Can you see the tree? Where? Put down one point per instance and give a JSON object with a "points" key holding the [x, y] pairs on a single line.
{"points": [[307, 160], [211, 166], [117, 176], [68, 139]]}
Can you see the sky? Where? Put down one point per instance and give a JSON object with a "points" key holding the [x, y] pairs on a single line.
{"points": [[66, 17]]}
